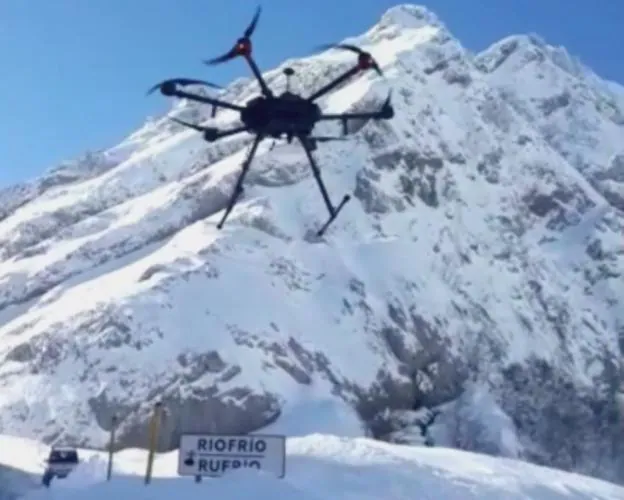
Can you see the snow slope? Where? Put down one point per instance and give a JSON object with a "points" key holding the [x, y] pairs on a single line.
{"points": [[329, 467], [474, 251]]}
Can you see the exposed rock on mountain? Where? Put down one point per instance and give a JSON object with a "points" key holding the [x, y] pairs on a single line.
{"points": [[483, 245]]}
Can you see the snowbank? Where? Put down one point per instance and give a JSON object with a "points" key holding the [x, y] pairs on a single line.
{"points": [[323, 467]]}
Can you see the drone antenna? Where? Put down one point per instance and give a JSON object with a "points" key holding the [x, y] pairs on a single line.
{"points": [[289, 72]]}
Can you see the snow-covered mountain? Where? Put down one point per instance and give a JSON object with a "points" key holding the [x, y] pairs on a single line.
{"points": [[476, 273]]}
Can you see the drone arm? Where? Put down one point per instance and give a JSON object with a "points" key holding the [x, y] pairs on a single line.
{"points": [[220, 134], [354, 116], [211, 134], [334, 83], [206, 100], [385, 113], [256, 72]]}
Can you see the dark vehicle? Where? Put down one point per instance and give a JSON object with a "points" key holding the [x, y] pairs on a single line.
{"points": [[60, 462]]}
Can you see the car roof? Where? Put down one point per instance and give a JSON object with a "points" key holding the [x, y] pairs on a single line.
{"points": [[63, 452]]}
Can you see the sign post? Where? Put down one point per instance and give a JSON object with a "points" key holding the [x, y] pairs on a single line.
{"points": [[153, 441], [213, 455], [111, 448]]}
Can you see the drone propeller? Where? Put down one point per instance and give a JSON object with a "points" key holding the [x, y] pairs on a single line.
{"points": [[365, 59], [168, 87], [243, 44]]}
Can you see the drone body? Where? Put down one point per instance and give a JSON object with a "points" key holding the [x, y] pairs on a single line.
{"points": [[270, 116], [287, 114]]}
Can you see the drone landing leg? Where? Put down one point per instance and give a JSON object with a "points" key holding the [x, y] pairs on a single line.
{"points": [[238, 188], [333, 211]]}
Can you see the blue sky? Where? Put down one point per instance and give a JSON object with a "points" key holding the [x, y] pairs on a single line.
{"points": [[75, 72]]}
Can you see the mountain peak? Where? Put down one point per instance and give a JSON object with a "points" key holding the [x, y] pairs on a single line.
{"points": [[527, 40], [527, 48], [409, 16]]}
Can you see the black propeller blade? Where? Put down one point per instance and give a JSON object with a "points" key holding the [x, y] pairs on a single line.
{"points": [[365, 59], [167, 87], [243, 44], [254, 22]]}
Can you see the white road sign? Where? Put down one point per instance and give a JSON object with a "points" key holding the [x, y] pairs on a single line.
{"points": [[213, 455]]}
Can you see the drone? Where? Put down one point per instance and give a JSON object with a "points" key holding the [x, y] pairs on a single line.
{"points": [[275, 116]]}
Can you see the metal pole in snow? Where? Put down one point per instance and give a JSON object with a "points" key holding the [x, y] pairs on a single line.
{"points": [[111, 448]]}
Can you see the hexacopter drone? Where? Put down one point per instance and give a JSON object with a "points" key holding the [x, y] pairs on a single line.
{"points": [[267, 115]]}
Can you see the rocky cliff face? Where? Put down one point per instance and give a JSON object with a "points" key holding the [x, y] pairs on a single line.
{"points": [[483, 246]]}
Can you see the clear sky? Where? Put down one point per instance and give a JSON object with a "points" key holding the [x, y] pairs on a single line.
{"points": [[74, 72]]}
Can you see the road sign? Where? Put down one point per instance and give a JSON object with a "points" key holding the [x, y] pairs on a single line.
{"points": [[213, 455]]}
